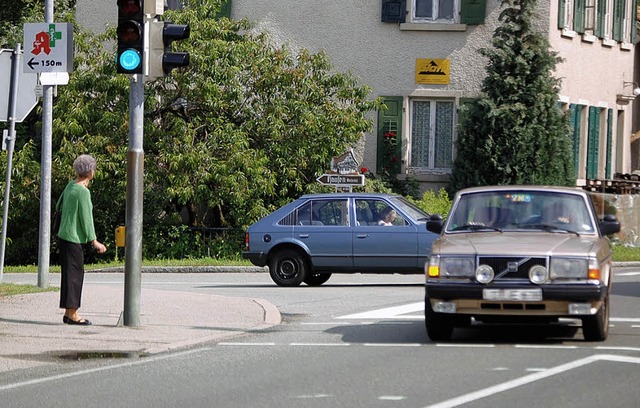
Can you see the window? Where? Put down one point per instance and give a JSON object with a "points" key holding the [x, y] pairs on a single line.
{"points": [[435, 10], [378, 213], [432, 136], [606, 19]]}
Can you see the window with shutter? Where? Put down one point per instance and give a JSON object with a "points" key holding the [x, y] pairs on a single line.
{"points": [[562, 6], [601, 29], [389, 149], [579, 15], [472, 12], [607, 168], [432, 131], [576, 115], [394, 11], [593, 142], [618, 19]]}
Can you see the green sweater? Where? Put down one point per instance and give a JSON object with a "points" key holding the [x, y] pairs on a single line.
{"points": [[76, 222]]}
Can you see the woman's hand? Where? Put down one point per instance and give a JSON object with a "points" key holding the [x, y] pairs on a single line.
{"points": [[100, 248]]}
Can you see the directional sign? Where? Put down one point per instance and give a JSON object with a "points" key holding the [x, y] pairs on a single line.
{"points": [[48, 47], [342, 179], [27, 98]]}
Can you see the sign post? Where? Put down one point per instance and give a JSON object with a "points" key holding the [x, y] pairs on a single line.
{"points": [[10, 142]]}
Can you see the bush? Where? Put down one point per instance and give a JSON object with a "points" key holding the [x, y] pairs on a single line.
{"points": [[434, 203]]}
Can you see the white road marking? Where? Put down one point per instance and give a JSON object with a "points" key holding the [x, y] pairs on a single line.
{"points": [[487, 392], [465, 345], [98, 369], [536, 346], [391, 397], [627, 274], [387, 312], [403, 313]]}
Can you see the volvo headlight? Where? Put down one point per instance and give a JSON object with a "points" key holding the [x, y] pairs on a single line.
{"points": [[484, 274], [569, 268], [454, 267], [450, 267]]}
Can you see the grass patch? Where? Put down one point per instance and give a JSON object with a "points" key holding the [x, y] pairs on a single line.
{"points": [[10, 289], [623, 253]]}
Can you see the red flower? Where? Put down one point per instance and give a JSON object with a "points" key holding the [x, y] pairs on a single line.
{"points": [[364, 170], [394, 159], [390, 135]]}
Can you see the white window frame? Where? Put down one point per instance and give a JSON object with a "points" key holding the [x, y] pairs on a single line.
{"points": [[435, 6], [430, 169]]}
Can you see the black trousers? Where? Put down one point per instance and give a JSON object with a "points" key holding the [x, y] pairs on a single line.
{"points": [[72, 277]]}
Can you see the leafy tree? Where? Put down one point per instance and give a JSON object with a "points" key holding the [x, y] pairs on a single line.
{"points": [[246, 127], [515, 133], [249, 125]]}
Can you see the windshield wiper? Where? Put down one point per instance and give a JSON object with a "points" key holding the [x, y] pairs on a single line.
{"points": [[475, 227], [548, 227]]}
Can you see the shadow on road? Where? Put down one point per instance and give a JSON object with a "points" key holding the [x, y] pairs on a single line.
{"points": [[414, 332]]}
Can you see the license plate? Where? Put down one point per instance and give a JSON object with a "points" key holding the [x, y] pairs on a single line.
{"points": [[516, 295]]}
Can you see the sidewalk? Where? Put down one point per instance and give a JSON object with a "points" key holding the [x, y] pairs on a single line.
{"points": [[32, 332]]}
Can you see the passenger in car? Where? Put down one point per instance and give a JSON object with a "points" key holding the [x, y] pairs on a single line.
{"points": [[387, 216]]}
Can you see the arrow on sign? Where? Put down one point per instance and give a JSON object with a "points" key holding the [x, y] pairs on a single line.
{"points": [[341, 179], [31, 63]]}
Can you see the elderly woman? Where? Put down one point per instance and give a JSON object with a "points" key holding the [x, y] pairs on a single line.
{"points": [[76, 229]]}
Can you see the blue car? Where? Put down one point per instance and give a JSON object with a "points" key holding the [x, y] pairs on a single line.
{"points": [[320, 234]]}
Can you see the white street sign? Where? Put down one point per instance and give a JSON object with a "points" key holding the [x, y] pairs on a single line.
{"points": [[27, 98], [48, 47]]}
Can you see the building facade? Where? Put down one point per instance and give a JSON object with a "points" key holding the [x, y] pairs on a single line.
{"points": [[422, 57]]}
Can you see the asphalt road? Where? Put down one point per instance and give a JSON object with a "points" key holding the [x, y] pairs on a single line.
{"points": [[357, 341]]}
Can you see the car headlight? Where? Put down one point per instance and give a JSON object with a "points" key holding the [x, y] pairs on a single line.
{"points": [[569, 268], [484, 274], [538, 274], [450, 267]]}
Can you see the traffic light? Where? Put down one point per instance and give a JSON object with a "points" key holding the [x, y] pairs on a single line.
{"points": [[130, 54], [160, 59]]}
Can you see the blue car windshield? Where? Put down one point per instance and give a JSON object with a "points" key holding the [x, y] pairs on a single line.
{"points": [[521, 210], [409, 208]]}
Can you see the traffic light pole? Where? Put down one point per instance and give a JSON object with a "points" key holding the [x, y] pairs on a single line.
{"points": [[135, 170]]}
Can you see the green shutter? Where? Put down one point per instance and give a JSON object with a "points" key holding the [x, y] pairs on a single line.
{"points": [[607, 168], [634, 24], [389, 152], [593, 142], [575, 124], [601, 13], [618, 19], [225, 10], [562, 4], [579, 16], [472, 12]]}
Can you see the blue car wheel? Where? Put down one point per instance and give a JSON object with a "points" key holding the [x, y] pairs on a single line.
{"points": [[288, 267]]}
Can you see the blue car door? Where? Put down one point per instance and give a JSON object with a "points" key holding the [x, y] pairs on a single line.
{"points": [[323, 227], [383, 246]]}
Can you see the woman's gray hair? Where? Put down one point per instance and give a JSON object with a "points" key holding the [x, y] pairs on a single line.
{"points": [[83, 165]]}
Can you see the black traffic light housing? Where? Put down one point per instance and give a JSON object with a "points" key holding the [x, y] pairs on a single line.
{"points": [[130, 54], [161, 60]]}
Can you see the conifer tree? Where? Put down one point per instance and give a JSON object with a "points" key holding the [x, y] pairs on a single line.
{"points": [[515, 133]]}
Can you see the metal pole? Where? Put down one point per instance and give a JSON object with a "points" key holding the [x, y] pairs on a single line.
{"points": [[45, 169], [13, 98], [135, 171]]}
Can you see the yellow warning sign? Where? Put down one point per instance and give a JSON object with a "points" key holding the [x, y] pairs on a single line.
{"points": [[432, 71]]}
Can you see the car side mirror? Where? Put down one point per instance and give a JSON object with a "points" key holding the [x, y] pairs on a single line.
{"points": [[609, 225], [435, 223]]}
